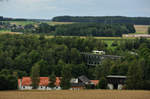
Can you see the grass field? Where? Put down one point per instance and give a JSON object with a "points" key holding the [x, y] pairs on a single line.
{"points": [[8, 32], [141, 28], [83, 94], [23, 23], [59, 23]]}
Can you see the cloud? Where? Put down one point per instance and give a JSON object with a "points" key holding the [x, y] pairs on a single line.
{"points": [[3, 0], [50, 8]]}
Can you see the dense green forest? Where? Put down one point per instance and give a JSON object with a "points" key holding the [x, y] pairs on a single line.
{"points": [[78, 29], [94, 29], [61, 56], [104, 19]]}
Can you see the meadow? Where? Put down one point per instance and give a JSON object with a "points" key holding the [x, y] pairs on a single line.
{"points": [[82, 94], [23, 23]]}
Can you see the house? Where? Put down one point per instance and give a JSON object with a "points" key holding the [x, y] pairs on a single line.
{"points": [[95, 82], [92, 59], [116, 81], [77, 86], [26, 83], [82, 82], [84, 79]]}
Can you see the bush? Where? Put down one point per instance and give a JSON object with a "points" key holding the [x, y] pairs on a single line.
{"points": [[102, 83]]}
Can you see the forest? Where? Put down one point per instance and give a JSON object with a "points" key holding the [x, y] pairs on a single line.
{"points": [[94, 29], [104, 19], [78, 29], [60, 56]]}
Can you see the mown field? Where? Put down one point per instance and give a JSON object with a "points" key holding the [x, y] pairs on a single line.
{"points": [[83, 94], [141, 28]]}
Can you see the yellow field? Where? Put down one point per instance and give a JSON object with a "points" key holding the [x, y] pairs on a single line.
{"points": [[59, 23], [141, 28], [84, 94]]}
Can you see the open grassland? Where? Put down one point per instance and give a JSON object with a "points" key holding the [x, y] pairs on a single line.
{"points": [[83, 94], [59, 23], [141, 28], [23, 23]]}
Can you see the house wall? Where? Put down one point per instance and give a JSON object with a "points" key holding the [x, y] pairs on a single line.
{"points": [[120, 86], [110, 86], [25, 88], [39, 88], [42, 88], [57, 88]]}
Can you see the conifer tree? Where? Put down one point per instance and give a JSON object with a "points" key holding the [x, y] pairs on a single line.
{"points": [[35, 76]]}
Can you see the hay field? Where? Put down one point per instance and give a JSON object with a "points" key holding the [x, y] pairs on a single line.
{"points": [[83, 94], [59, 23], [141, 28]]}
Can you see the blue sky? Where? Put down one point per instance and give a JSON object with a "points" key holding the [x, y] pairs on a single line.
{"points": [[47, 9]]}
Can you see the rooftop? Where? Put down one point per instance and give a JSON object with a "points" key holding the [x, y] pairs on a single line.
{"points": [[116, 76], [44, 81]]}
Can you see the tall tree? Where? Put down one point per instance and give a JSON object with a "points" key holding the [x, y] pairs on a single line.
{"points": [[102, 83], [135, 74], [52, 80], [35, 76], [66, 77]]}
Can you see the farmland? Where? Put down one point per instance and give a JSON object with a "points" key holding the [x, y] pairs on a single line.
{"points": [[82, 94], [23, 23], [141, 28]]}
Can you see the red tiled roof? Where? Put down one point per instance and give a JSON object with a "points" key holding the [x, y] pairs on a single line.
{"points": [[18, 82], [57, 83], [44, 81], [95, 82], [26, 81]]}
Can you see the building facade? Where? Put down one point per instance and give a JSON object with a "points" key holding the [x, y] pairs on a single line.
{"points": [[116, 82]]}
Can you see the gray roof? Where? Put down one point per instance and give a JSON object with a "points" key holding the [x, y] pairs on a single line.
{"points": [[116, 76], [84, 79]]}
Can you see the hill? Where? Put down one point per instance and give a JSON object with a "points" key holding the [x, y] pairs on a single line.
{"points": [[104, 19]]}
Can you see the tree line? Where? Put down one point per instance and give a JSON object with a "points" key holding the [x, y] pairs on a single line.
{"points": [[11, 19], [94, 29], [20, 55], [79, 29], [104, 19]]}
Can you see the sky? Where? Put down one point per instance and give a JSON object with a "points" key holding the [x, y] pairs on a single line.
{"points": [[46, 9]]}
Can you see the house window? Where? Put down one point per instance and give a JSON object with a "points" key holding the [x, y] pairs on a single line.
{"points": [[41, 87], [23, 86]]}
